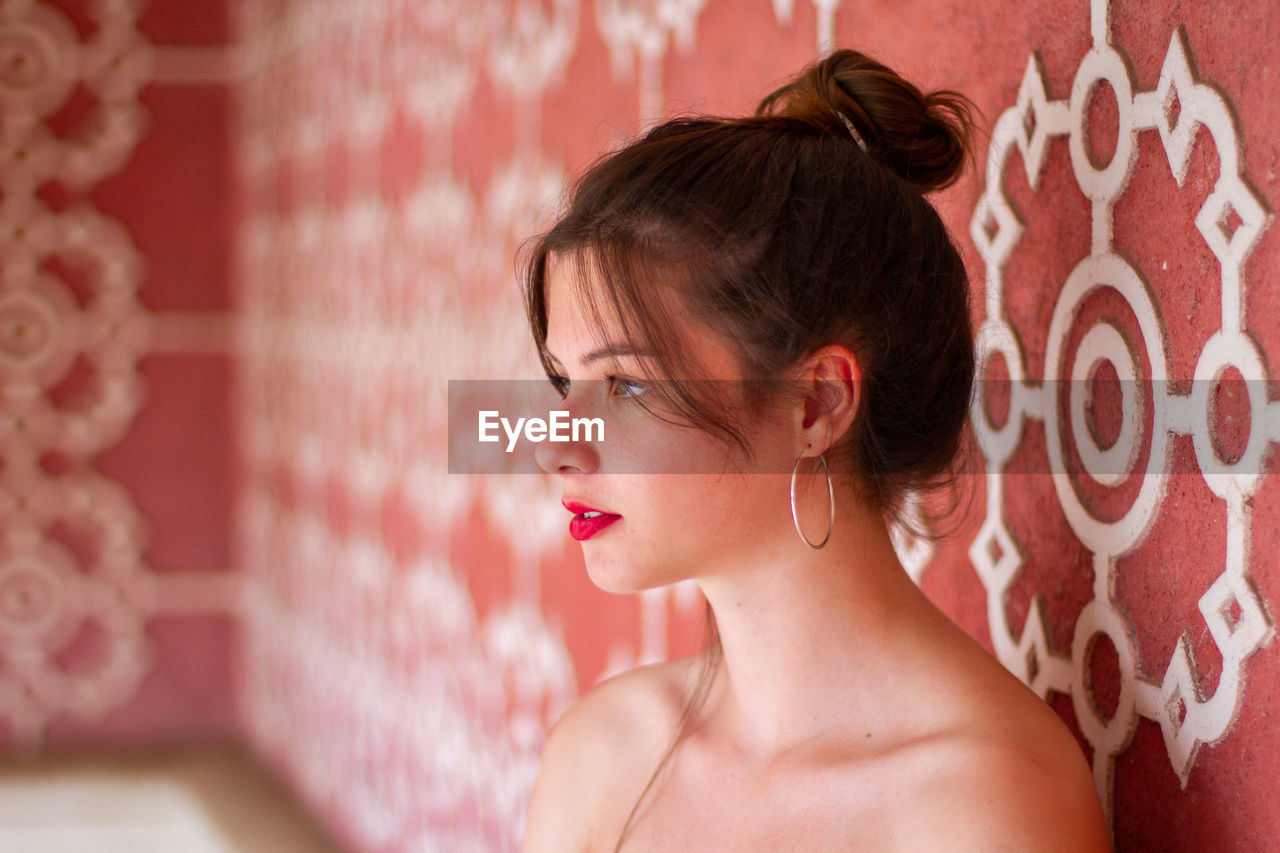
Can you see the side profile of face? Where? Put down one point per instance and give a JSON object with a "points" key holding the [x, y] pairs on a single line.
{"points": [[673, 525]]}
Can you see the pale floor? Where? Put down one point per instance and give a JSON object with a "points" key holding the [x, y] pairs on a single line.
{"points": [[191, 800]]}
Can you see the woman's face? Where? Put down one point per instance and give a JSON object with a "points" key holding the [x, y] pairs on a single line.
{"points": [[672, 525]]}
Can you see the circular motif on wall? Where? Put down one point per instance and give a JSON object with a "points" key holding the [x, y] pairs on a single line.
{"points": [[38, 596], [35, 42], [27, 329], [1230, 606], [30, 599], [69, 112]]}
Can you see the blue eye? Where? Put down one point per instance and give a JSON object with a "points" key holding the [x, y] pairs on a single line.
{"points": [[631, 389]]}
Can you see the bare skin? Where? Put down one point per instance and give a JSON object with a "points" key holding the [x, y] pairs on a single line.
{"points": [[848, 712]]}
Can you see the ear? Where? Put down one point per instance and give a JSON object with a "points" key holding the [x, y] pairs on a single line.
{"points": [[830, 384]]}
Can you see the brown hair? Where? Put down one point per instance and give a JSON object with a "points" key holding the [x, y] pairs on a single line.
{"points": [[781, 234]]}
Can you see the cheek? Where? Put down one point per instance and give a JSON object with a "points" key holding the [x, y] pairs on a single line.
{"points": [[682, 526], [640, 443], [711, 507], [688, 489]]}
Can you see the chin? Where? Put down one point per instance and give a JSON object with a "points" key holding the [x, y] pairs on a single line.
{"points": [[618, 584], [622, 579]]}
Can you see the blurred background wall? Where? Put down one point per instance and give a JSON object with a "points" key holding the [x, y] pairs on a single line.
{"points": [[116, 598], [245, 246]]}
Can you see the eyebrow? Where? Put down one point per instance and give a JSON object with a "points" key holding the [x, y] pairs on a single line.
{"points": [[609, 350]]}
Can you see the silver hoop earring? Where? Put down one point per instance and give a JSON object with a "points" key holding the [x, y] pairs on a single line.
{"points": [[831, 496]]}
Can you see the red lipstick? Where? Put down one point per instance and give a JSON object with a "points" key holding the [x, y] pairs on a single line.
{"points": [[582, 526]]}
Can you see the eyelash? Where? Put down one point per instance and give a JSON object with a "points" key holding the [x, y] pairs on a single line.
{"points": [[614, 380], [561, 384]]}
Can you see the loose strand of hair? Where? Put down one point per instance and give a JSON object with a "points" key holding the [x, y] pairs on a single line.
{"points": [[712, 655]]}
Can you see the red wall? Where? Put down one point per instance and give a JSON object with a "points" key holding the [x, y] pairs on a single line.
{"points": [[116, 601]]}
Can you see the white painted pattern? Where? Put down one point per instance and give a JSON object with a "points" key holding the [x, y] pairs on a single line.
{"points": [[826, 9], [639, 32], [442, 712], [46, 595], [1187, 718]]}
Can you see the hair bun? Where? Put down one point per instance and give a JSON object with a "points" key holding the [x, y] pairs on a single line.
{"points": [[924, 138]]}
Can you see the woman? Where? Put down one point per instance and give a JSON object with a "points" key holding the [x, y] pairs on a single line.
{"points": [[773, 325]]}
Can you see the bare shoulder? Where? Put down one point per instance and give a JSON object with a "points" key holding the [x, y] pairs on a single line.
{"points": [[1027, 788], [996, 768], [596, 748]]}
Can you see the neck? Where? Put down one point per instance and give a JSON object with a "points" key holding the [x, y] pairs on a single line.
{"points": [[808, 634]]}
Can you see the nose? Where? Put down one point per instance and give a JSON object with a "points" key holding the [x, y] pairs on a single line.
{"points": [[574, 456], [566, 457]]}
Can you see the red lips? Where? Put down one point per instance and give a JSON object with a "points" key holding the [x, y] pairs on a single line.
{"points": [[583, 528], [578, 508]]}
